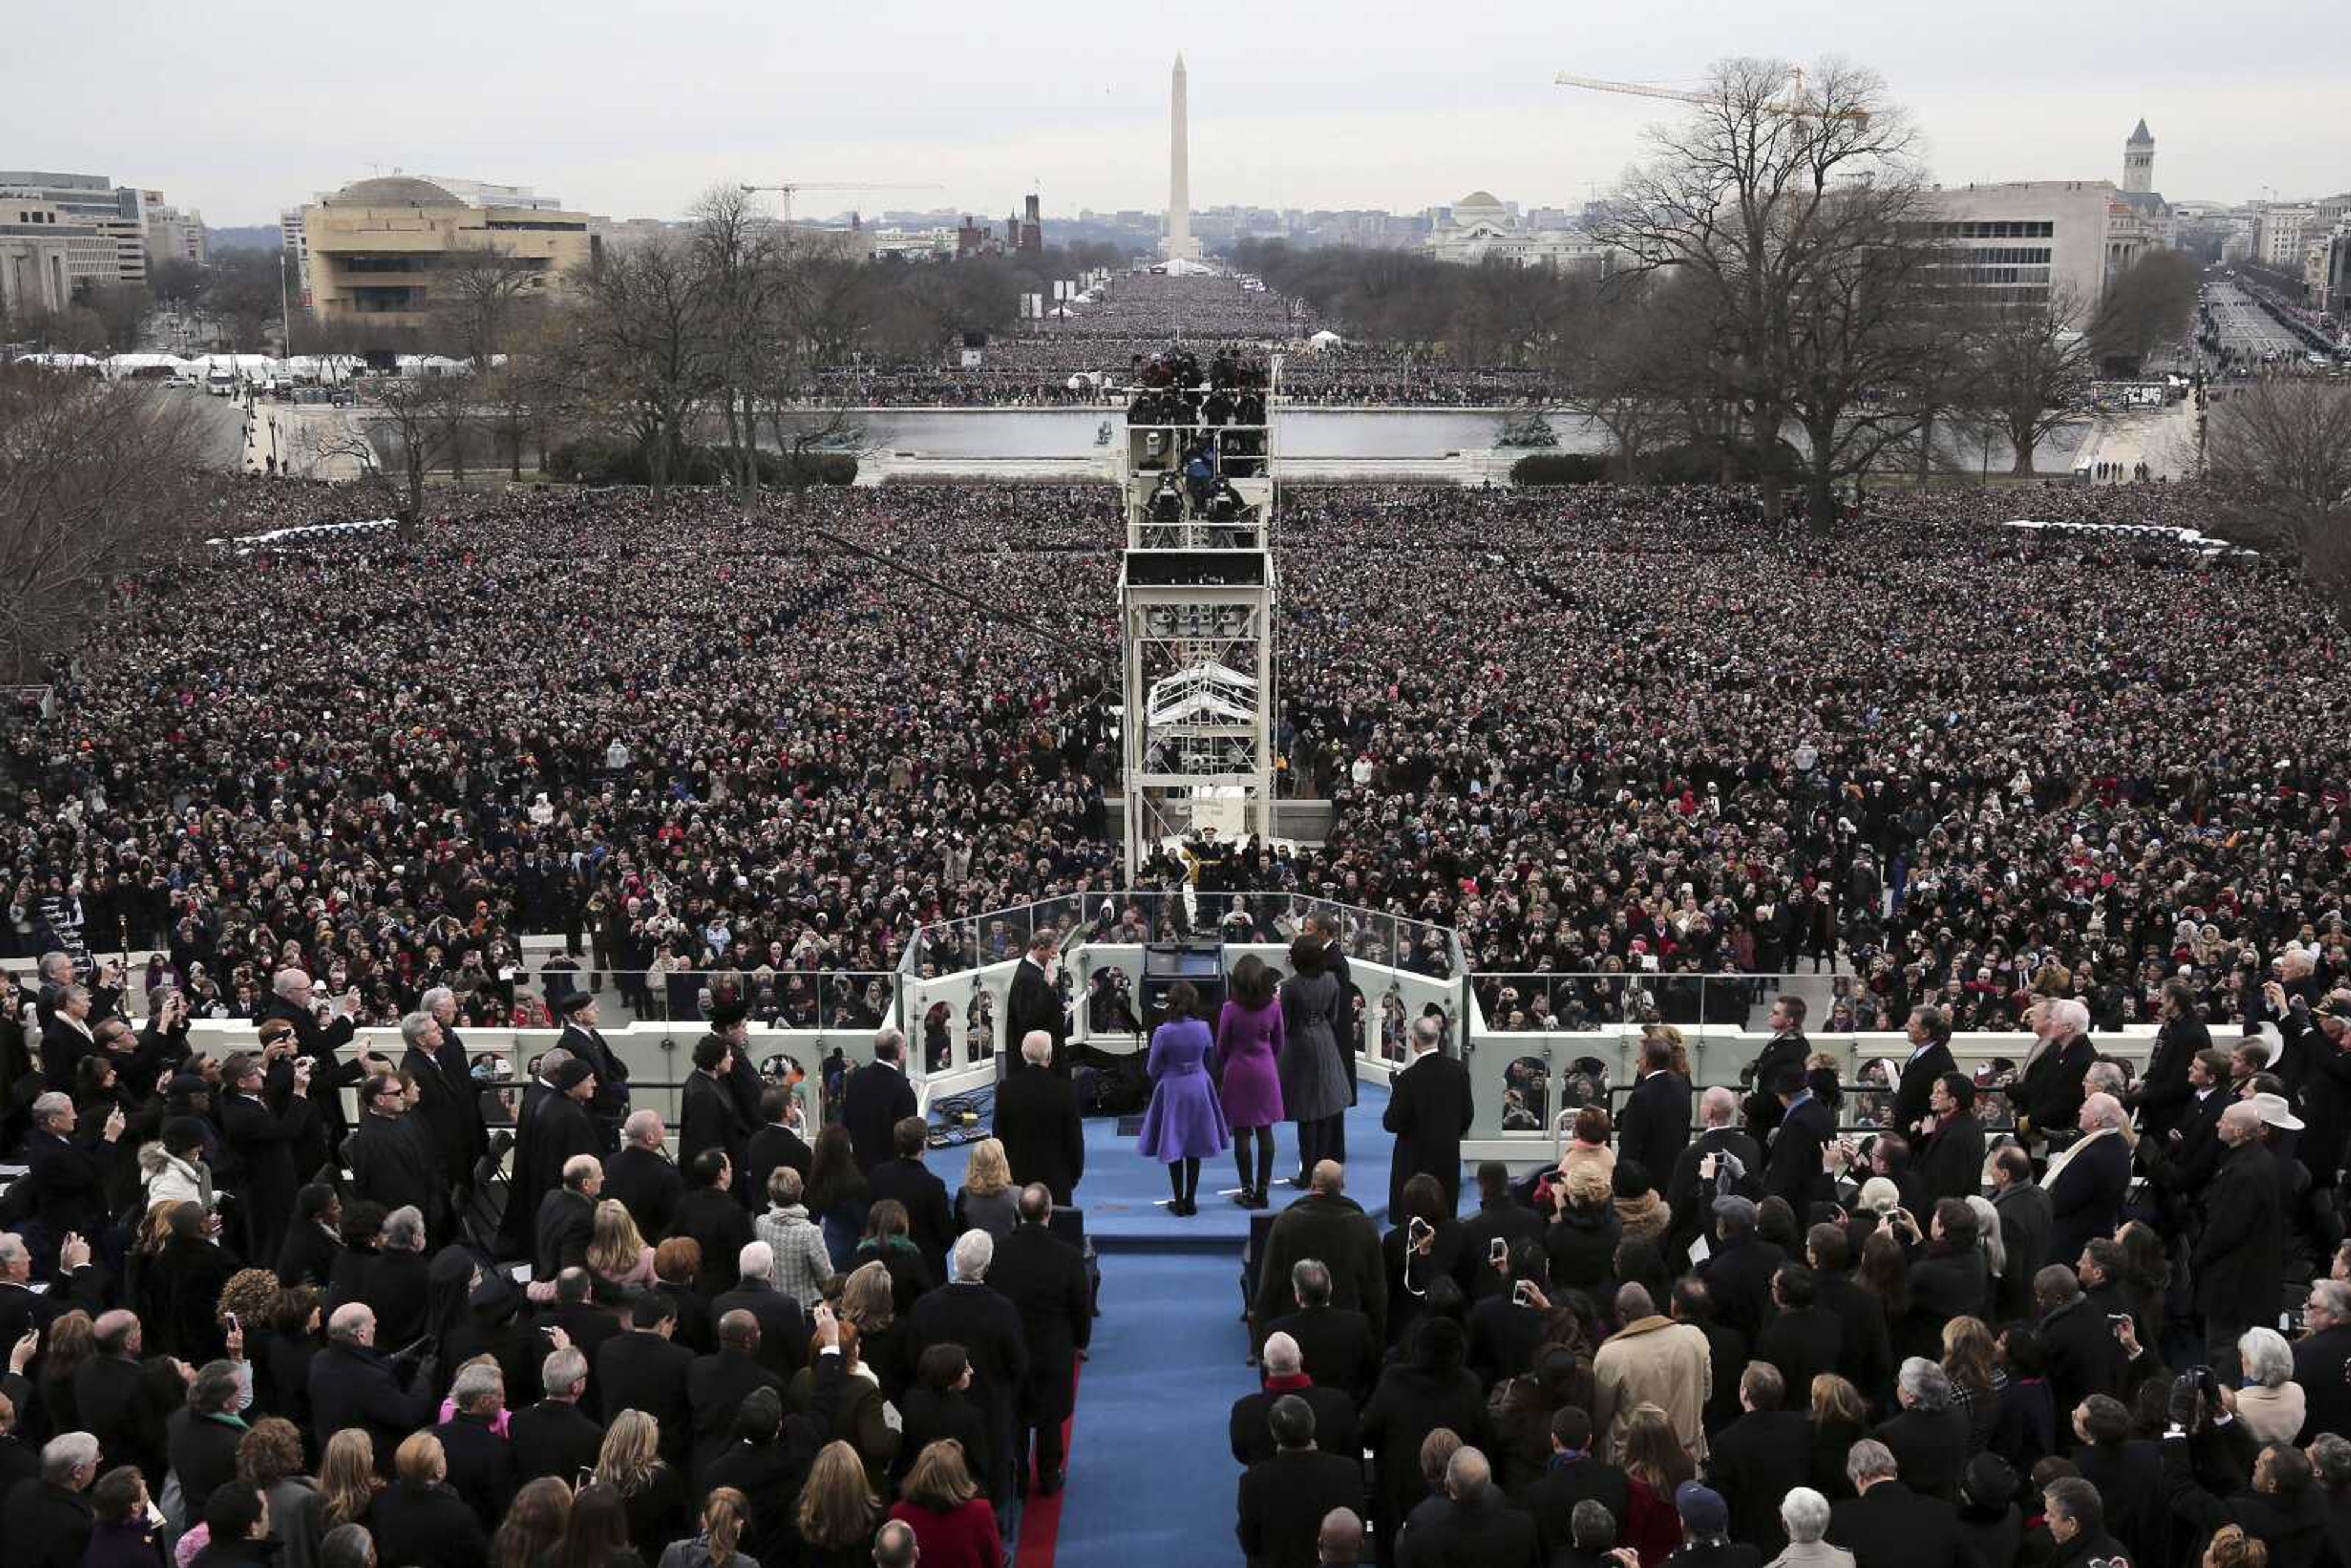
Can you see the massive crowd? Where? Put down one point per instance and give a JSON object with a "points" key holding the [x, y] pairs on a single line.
{"points": [[2060, 778], [1598, 732]]}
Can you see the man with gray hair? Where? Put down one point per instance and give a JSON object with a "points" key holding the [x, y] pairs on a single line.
{"points": [[449, 1102], [2321, 1357], [353, 1383], [2049, 1095], [481, 1461], [1284, 1370], [1469, 1520], [876, 1098], [1721, 1160], [1928, 1437], [1429, 1111], [1804, 1517], [1036, 1121], [2086, 1182], [47, 1522], [1284, 1498], [641, 1175], [1888, 1525], [291, 995], [68, 1035], [64, 1188], [970, 1313], [555, 1437], [783, 1326], [2238, 1256]]}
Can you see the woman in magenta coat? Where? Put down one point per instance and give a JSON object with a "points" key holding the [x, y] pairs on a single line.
{"points": [[1249, 1032]]}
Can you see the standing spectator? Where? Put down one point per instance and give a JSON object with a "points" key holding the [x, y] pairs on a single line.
{"points": [[1250, 1042], [1760, 1458], [953, 1525], [1429, 1111], [1651, 1360], [1331, 1228], [2237, 1255], [1185, 1123], [1314, 1079], [877, 1098], [1033, 1003], [794, 1239], [1037, 1119], [1285, 1499], [641, 1175], [1655, 1125], [968, 1312], [1044, 1278], [2085, 1183], [1887, 1525], [988, 1200]]}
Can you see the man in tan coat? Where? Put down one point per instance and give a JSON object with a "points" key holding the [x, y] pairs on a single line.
{"points": [[1652, 1360]]}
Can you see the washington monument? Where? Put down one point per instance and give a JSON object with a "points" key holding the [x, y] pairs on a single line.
{"points": [[1180, 243]]}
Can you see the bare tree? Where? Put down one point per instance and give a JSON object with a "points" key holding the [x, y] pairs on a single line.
{"points": [[411, 434], [639, 346], [95, 482], [2030, 364], [2279, 451], [481, 294], [1795, 212], [2149, 304]]}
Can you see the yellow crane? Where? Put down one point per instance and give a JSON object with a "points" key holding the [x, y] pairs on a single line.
{"points": [[1794, 104], [788, 190]]}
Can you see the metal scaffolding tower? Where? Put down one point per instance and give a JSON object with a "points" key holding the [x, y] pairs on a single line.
{"points": [[1197, 596]]}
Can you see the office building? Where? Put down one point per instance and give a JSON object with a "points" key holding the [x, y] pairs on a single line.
{"points": [[95, 203], [2027, 238], [373, 246], [171, 235]]}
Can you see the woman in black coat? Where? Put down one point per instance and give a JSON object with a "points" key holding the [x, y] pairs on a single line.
{"points": [[181, 1289], [939, 1405], [1583, 1239], [419, 1519], [1417, 1258], [1429, 1389]]}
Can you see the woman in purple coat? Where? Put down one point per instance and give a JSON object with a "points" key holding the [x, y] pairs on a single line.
{"points": [[1184, 1124], [1249, 1032]]}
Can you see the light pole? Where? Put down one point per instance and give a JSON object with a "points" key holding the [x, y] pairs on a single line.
{"points": [[285, 304]]}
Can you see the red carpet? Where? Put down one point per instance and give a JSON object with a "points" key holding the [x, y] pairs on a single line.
{"points": [[1040, 1517]]}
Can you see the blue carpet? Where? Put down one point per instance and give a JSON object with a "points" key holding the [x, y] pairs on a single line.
{"points": [[1125, 1195]]}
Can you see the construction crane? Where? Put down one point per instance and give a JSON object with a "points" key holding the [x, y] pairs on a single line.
{"points": [[1794, 104], [786, 191]]}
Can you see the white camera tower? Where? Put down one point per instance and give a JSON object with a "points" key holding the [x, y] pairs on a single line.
{"points": [[1197, 595]]}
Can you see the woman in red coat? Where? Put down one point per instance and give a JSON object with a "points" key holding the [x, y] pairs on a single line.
{"points": [[953, 1525]]}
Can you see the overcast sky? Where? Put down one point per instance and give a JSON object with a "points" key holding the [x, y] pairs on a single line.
{"points": [[630, 108]]}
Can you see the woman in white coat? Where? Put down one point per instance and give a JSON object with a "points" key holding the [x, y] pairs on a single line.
{"points": [[173, 1169]]}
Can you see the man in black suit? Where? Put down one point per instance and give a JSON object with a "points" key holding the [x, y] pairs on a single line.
{"points": [[1335, 1428], [567, 1218], [1036, 1121], [707, 1116], [1282, 1500], [66, 1036], [1428, 1111], [2025, 1228], [582, 1320], [2162, 1096], [63, 1190], [2322, 1358], [1328, 1225], [709, 1213], [2084, 1357], [352, 1383], [481, 1467], [776, 1144], [1338, 1348], [1756, 1459], [1795, 1174], [642, 1369], [1786, 1048], [1930, 1062], [1044, 1278], [930, 1216], [330, 1074], [876, 1098], [1738, 1272], [2086, 1182], [1864, 1351], [608, 1107], [715, 1385], [1803, 1338], [2280, 1508], [1928, 1436], [969, 1313], [561, 1128], [1888, 1525], [391, 1163], [46, 1517], [556, 1436], [2129, 1475], [1033, 1002], [2049, 1096], [641, 1175], [1691, 1189], [449, 1102], [77, 1283], [1469, 1521], [1655, 1125], [1950, 1157], [783, 1327], [262, 1138], [2237, 1256], [2182, 1162], [1575, 1474]]}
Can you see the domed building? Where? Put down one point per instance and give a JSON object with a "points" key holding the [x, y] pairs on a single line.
{"points": [[1480, 226], [375, 248]]}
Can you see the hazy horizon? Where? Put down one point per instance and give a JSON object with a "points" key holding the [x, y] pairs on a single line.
{"points": [[630, 114]]}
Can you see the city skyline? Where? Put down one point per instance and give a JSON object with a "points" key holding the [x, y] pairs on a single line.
{"points": [[1311, 107]]}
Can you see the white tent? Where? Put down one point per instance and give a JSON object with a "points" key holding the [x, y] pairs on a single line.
{"points": [[430, 365], [1327, 339], [122, 366], [1206, 693]]}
